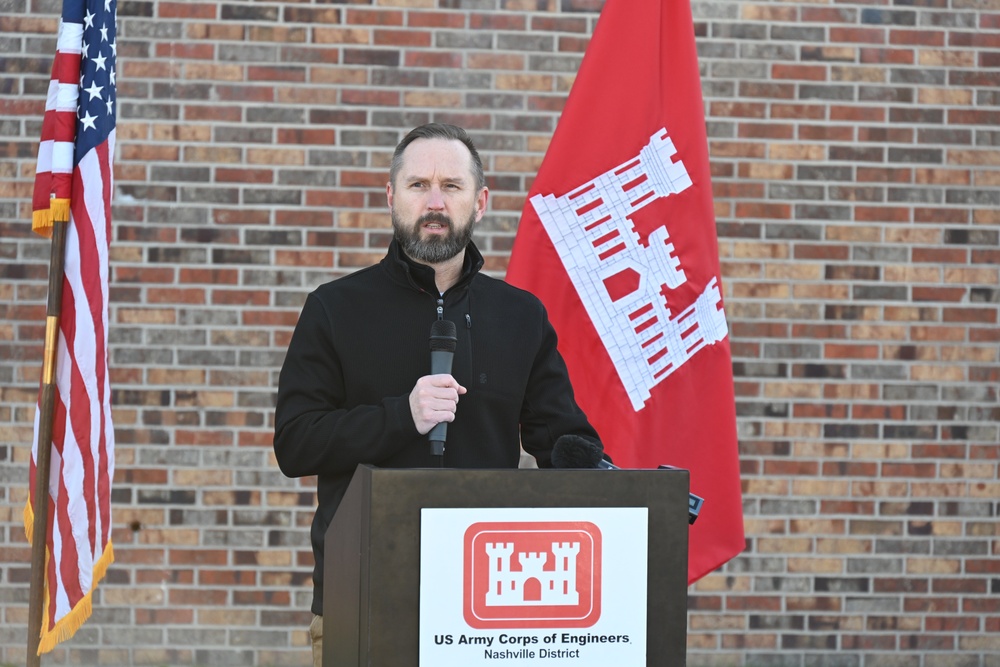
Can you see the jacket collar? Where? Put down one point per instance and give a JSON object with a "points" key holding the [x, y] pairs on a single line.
{"points": [[420, 276]]}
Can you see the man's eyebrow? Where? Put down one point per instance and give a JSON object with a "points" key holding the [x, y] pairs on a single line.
{"points": [[460, 180]]}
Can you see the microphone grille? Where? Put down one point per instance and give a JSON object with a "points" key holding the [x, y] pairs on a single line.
{"points": [[444, 336], [573, 451]]}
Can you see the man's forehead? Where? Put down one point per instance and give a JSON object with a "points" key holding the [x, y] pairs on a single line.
{"points": [[437, 152]]}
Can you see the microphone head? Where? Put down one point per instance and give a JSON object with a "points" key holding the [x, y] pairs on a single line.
{"points": [[574, 451], [444, 336]]}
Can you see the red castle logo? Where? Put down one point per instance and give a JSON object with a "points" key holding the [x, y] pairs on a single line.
{"points": [[532, 574]]}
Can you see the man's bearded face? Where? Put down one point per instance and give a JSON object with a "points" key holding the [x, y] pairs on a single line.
{"points": [[432, 248]]}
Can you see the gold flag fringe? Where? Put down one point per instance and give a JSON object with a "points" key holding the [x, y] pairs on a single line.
{"points": [[67, 626], [41, 220]]}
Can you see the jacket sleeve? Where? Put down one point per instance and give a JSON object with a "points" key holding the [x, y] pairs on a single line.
{"points": [[314, 433], [550, 409]]}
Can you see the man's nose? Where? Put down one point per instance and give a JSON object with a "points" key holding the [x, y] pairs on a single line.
{"points": [[435, 198]]}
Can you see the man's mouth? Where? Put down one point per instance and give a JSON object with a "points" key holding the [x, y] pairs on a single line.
{"points": [[435, 226]]}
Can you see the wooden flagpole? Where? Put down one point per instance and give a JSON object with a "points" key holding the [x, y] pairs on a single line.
{"points": [[43, 457]]}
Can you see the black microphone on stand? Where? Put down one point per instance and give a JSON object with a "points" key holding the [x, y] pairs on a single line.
{"points": [[575, 451], [444, 340]]}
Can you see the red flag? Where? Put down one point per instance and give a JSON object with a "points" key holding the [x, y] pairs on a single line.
{"points": [[618, 240], [74, 176]]}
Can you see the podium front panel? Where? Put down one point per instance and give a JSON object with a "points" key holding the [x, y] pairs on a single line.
{"points": [[372, 580]]}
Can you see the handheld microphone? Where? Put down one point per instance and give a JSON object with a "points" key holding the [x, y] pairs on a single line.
{"points": [[444, 340]]}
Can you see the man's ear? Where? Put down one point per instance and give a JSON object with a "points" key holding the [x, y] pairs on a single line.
{"points": [[481, 199], [388, 194]]}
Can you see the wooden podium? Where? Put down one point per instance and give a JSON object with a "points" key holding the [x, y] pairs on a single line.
{"points": [[372, 567]]}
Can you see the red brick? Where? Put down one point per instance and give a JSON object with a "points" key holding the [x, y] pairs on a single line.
{"points": [[896, 585], [730, 109], [187, 10], [499, 61], [951, 624], [140, 476], [753, 603], [825, 410], [919, 470], [388, 98], [977, 315], [841, 133], [240, 297], [785, 468], [226, 175], [917, 37], [580, 44], [882, 214], [270, 318], [209, 276], [980, 256], [373, 17], [867, 114], [939, 293], [764, 211], [800, 72], [435, 19], [337, 198], [829, 252], [316, 258], [433, 59], [303, 218], [858, 35], [226, 113], [402, 38], [940, 216], [984, 335], [766, 131], [168, 295], [196, 51], [869, 642]]}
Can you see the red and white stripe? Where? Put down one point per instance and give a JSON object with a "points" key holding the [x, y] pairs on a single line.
{"points": [[83, 437], [53, 172]]}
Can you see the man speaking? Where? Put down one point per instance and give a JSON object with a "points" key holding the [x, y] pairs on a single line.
{"points": [[357, 385]]}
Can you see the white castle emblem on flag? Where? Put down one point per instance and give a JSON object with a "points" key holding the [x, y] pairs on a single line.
{"points": [[532, 585], [591, 230]]}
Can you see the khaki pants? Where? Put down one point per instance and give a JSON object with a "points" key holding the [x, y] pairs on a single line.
{"points": [[316, 634]]}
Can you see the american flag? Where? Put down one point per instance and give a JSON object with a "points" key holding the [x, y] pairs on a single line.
{"points": [[74, 179]]}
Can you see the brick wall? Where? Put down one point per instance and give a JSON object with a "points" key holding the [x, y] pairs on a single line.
{"points": [[856, 160]]}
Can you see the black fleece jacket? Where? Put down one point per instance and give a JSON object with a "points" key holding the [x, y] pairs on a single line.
{"points": [[360, 345]]}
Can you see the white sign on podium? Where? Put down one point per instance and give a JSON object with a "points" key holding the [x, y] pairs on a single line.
{"points": [[516, 587]]}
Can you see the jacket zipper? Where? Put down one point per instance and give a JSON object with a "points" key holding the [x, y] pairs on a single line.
{"points": [[468, 327]]}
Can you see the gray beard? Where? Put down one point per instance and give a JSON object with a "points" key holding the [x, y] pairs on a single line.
{"points": [[436, 249]]}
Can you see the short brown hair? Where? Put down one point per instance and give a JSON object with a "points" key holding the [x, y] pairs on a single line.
{"points": [[438, 131]]}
